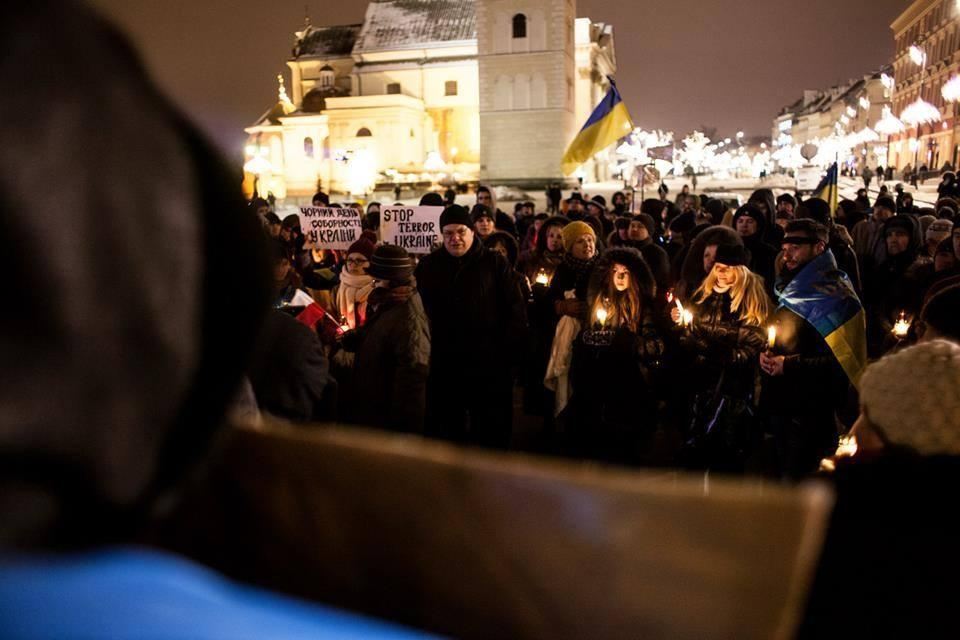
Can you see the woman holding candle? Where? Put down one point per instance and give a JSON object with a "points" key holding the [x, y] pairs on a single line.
{"points": [[613, 409], [722, 343]]}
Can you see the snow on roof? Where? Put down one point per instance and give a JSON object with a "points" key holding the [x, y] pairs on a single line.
{"points": [[393, 24], [326, 42]]}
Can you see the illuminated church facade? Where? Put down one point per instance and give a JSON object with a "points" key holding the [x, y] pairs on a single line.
{"points": [[433, 90]]}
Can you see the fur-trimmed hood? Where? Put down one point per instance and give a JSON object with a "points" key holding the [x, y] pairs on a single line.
{"points": [[632, 260]]}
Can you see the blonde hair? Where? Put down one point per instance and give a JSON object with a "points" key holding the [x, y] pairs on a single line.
{"points": [[747, 295]]}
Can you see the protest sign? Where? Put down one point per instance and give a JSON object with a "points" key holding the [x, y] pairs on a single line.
{"points": [[330, 227], [416, 229]]}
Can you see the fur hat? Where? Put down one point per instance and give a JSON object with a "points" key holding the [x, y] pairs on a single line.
{"points": [[732, 255], [573, 231], [901, 222], [913, 397], [455, 214]]}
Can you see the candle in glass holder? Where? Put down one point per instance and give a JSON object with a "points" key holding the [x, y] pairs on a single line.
{"points": [[771, 337], [602, 316], [901, 328], [542, 277]]}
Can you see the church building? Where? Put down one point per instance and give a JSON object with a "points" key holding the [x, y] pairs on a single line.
{"points": [[434, 90]]}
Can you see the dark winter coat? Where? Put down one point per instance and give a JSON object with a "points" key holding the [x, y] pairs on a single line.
{"points": [[721, 343], [889, 288], [763, 257], [290, 373], [692, 273], [477, 313], [391, 366]]}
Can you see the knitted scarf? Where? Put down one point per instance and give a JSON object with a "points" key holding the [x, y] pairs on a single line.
{"points": [[352, 297]]}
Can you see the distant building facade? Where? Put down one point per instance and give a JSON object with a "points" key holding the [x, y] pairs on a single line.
{"points": [[475, 90], [934, 26]]}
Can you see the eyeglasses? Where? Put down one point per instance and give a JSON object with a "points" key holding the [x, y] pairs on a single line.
{"points": [[357, 261]]}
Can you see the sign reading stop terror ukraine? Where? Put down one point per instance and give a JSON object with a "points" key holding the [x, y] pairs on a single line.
{"points": [[416, 229], [330, 227]]}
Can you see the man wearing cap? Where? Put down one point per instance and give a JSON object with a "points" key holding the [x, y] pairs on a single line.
{"points": [[478, 323], [389, 383], [597, 208], [805, 383], [575, 206]]}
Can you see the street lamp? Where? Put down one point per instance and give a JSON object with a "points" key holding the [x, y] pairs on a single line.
{"points": [[888, 125], [919, 112]]}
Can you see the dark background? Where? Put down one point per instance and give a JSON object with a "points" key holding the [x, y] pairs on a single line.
{"points": [[728, 64]]}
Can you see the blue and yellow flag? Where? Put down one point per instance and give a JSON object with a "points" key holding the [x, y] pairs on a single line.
{"points": [[823, 295], [829, 189], [609, 122]]}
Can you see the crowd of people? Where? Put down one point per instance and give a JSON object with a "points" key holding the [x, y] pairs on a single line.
{"points": [[686, 333]]}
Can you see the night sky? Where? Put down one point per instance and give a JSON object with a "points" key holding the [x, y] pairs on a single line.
{"points": [[682, 63]]}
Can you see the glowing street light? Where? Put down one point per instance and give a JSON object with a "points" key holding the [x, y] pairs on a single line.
{"points": [[865, 103], [888, 124], [920, 112], [951, 90], [917, 55]]}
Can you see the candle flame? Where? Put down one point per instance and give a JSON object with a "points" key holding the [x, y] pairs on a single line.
{"points": [[602, 316], [902, 327], [542, 277], [771, 336], [686, 317]]}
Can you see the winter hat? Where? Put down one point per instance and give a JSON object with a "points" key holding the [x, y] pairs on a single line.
{"points": [[901, 222], [432, 199], [573, 231], [598, 201], [646, 220], [481, 211], [652, 207], [939, 230], [596, 225], [455, 214], [716, 209], [322, 197], [939, 313], [815, 209], [732, 255], [390, 262], [272, 218], [684, 223], [622, 223], [292, 221], [575, 196], [362, 246], [913, 397], [752, 212]]}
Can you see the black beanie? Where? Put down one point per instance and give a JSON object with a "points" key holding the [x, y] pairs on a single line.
{"points": [[816, 209], [901, 222], [647, 221], [732, 255], [752, 212], [622, 223], [481, 211], [431, 199], [455, 214], [684, 223]]}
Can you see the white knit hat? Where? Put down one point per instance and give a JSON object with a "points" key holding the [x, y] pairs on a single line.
{"points": [[913, 397]]}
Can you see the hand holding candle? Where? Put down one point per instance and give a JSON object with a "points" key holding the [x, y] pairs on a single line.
{"points": [[902, 327], [542, 278]]}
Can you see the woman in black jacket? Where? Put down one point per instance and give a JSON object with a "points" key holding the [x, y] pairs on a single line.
{"points": [[613, 410], [722, 345]]}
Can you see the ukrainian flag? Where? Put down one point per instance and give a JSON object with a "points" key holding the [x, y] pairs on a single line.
{"points": [[609, 122], [829, 189], [823, 295]]}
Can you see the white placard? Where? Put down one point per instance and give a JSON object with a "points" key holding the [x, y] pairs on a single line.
{"points": [[330, 227], [416, 229], [808, 178]]}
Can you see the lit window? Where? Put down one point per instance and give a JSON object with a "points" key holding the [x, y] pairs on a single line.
{"points": [[450, 88], [519, 26]]}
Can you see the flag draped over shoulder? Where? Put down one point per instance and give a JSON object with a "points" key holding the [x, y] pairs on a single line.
{"points": [[609, 122], [829, 189], [822, 295]]}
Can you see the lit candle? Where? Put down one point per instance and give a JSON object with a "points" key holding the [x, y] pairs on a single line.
{"points": [[687, 317], [602, 316], [680, 311], [846, 447], [771, 337], [344, 325], [542, 277], [901, 328]]}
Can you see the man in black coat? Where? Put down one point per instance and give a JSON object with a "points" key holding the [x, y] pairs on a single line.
{"points": [[804, 385], [478, 322]]}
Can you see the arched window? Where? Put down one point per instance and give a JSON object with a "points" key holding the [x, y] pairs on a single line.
{"points": [[308, 147], [364, 133], [519, 26]]}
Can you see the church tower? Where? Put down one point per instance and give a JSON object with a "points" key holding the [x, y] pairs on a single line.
{"points": [[526, 51]]}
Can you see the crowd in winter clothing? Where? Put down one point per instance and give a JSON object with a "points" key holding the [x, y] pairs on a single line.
{"points": [[635, 333]]}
